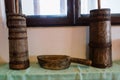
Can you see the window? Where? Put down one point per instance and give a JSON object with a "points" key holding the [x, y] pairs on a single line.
{"points": [[43, 7], [60, 12], [48, 12], [87, 5]]}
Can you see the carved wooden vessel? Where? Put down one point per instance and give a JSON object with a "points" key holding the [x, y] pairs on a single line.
{"points": [[57, 62], [18, 45], [100, 38]]}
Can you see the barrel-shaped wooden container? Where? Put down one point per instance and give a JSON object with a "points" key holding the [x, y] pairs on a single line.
{"points": [[18, 45], [100, 38]]}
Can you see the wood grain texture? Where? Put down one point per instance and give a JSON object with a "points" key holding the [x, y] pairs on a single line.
{"points": [[100, 38], [18, 45], [57, 62]]}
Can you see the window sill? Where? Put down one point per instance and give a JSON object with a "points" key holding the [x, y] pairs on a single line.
{"points": [[36, 21], [84, 20]]}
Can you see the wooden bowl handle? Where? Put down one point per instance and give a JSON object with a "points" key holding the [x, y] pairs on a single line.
{"points": [[81, 61]]}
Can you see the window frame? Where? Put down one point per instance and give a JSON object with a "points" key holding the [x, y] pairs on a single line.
{"points": [[84, 20], [73, 18], [49, 20]]}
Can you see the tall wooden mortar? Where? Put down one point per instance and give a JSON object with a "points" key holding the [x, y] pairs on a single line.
{"points": [[100, 38], [18, 45]]}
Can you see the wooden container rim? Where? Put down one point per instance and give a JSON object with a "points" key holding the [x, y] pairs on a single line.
{"points": [[52, 58], [103, 9]]}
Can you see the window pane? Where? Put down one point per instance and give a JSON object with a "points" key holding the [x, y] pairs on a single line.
{"points": [[112, 4], [27, 9], [44, 7], [88, 5]]}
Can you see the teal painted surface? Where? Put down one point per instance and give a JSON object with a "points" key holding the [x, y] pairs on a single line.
{"points": [[74, 72]]}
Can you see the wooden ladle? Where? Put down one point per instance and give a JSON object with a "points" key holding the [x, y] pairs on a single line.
{"points": [[57, 62]]}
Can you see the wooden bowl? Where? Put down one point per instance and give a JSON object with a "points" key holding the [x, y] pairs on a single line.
{"points": [[54, 62]]}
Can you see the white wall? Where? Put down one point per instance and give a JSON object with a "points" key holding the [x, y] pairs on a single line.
{"points": [[72, 41]]}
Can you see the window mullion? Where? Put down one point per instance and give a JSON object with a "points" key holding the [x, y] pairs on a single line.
{"points": [[36, 7], [62, 6]]}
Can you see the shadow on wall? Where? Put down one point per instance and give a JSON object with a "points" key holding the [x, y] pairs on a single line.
{"points": [[87, 42], [4, 53], [4, 47], [116, 49]]}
